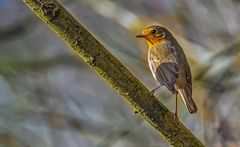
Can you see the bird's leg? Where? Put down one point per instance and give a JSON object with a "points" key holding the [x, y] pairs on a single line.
{"points": [[175, 114], [153, 90]]}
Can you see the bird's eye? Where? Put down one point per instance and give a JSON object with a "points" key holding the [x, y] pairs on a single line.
{"points": [[153, 32]]}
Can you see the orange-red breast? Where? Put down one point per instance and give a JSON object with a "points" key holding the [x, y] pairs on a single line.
{"points": [[168, 64]]}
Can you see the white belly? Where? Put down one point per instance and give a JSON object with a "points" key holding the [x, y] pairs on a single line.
{"points": [[151, 68]]}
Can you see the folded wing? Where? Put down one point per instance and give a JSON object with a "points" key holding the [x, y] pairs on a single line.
{"points": [[167, 74]]}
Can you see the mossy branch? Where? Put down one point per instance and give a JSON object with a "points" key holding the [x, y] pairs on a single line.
{"points": [[111, 70]]}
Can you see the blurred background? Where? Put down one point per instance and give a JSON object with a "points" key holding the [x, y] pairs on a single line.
{"points": [[49, 98]]}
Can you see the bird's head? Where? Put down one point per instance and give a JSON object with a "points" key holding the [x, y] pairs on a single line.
{"points": [[154, 35]]}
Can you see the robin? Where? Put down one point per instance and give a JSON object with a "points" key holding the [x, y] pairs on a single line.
{"points": [[169, 65]]}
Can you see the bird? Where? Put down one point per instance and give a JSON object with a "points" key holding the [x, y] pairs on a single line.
{"points": [[169, 65]]}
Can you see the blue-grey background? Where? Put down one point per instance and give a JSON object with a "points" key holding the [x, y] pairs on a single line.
{"points": [[49, 98]]}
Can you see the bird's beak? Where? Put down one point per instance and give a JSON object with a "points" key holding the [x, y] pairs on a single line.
{"points": [[140, 36]]}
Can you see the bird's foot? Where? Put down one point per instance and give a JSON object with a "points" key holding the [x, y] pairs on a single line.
{"points": [[153, 90], [175, 116]]}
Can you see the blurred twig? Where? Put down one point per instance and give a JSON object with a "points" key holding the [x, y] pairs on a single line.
{"points": [[112, 137], [9, 139], [9, 66], [111, 70], [229, 51], [16, 29]]}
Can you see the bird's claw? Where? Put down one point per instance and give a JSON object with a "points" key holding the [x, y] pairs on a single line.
{"points": [[175, 116], [153, 91]]}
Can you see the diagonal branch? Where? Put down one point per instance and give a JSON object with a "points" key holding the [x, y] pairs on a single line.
{"points": [[111, 70]]}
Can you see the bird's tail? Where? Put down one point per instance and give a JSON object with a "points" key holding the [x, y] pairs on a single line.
{"points": [[187, 99]]}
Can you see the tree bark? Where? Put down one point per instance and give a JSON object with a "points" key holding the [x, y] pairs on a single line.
{"points": [[111, 70]]}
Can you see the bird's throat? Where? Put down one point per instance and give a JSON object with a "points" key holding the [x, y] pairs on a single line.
{"points": [[152, 44]]}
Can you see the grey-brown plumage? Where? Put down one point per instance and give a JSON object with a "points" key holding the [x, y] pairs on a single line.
{"points": [[168, 64]]}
